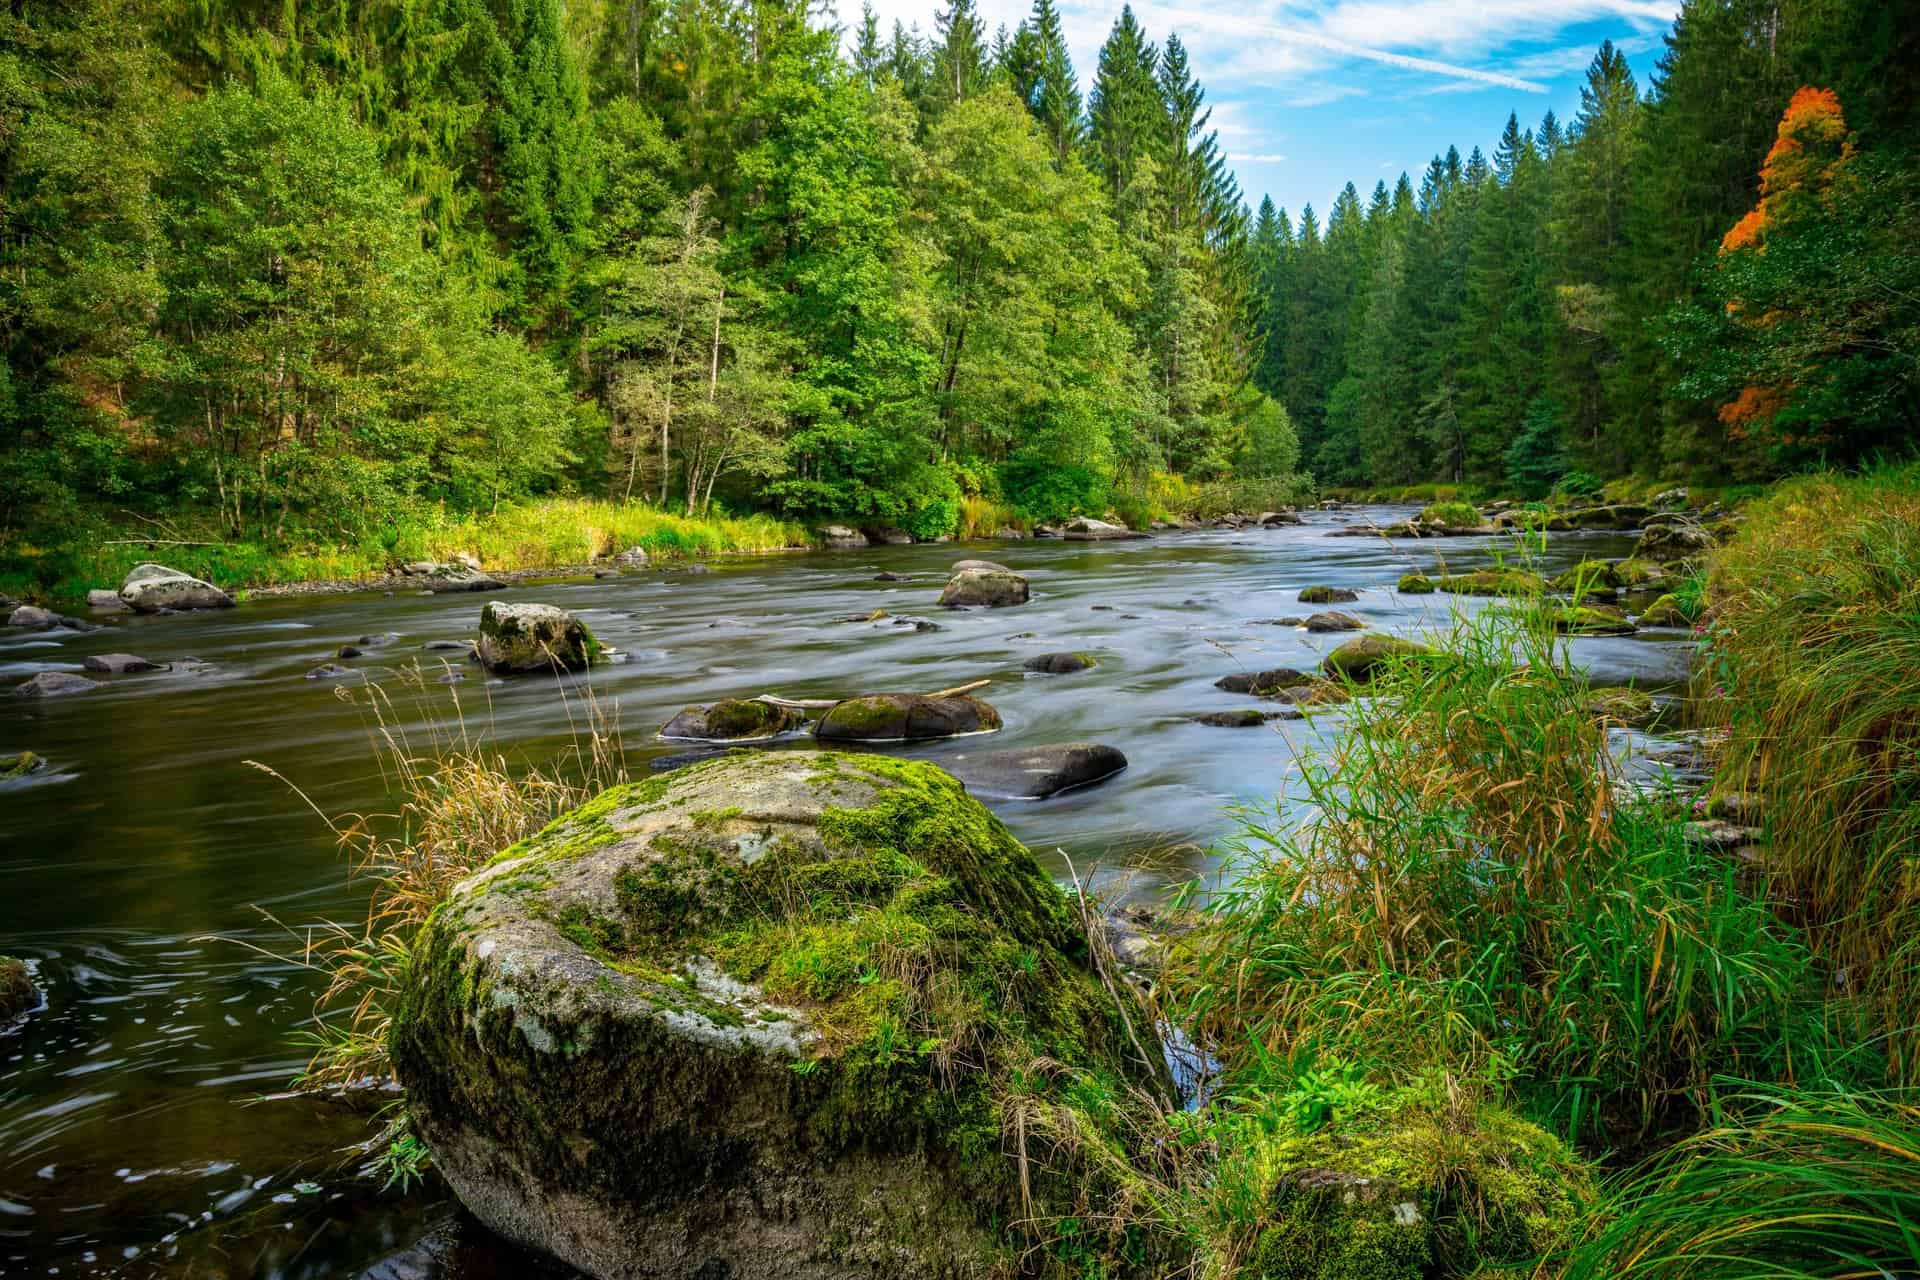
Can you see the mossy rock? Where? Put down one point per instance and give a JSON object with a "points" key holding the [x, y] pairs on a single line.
{"points": [[19, 765], [1415, 1189], [989, 588], [17, 992], [1451, 515], [1263, 684], [756, 1019], [1665, 611], [1060, 664], [1327, 595], [1317, 693], [1589, 620], [1362, 657], [1493, 582], [533, 637], [732, 720], [1637, 573], [1416, 584], [1619, 704], [1587, 578], [905, 717]]}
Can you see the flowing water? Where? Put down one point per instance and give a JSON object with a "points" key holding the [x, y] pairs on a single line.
{"points": [[154, 879]]}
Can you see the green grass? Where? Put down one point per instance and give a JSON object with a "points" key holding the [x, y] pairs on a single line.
{"points": [[546, 534]]}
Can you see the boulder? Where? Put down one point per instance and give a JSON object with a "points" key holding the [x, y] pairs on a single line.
{"points": [[1587, 578], [1273, 519], [978, 566], [1244, 718], [1317, 693], [904, 717], [54, 684], [1589, 620], [991, 588], [20, 764], [331, 671], [119, 663], [106, 601], [466, 560], [34, 617], [1334, 620], [1665, 612], [451, 579], [1034, 773], [1328, 595], [1059, 664], [732, 720], [1262, 684], [1416, 584], [1670, 500], [1622, 705], [890, 537], [1493, 582], [1673, 539], [533, 637], [17, 992], [1637, 573], [664, 1037], [632, 557], [150, 588], [1087, 529], [1362, 657], [840, 537]]}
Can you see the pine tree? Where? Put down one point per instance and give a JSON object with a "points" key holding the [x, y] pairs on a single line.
{"points": [[1124, 109]]}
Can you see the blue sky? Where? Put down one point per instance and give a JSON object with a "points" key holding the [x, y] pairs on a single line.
{"points": [[1311, 94]]}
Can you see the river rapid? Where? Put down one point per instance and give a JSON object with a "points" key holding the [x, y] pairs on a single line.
{"points": [[156, 881]]}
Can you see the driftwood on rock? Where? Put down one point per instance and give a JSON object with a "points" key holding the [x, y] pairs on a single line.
{"points": [[823, 704]]}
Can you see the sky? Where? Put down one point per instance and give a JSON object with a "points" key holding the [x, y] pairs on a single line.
{"points": [[1309, 95]]}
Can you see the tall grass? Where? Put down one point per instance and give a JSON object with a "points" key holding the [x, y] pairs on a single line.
{"points": [[1471, 893], [1814, 649]]}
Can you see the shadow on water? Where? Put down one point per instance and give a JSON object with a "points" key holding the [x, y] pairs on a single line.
{"points": [[141, 1126]]}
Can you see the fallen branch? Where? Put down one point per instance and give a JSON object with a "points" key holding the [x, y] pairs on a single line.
{"points": [[823, 704]]}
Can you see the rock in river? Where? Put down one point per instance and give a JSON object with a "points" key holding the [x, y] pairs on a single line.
{"points": [[905, 717], [1263, 683], [119, 663], [1244, 718], [660, 1038], [17, 992], [1334, 620], [1327, 595], [1360, 657], [1087, 529], [55, 684], [994, 589], [1060, 664], [533, 637], [840, 537], [978, 566], [33, 616], [733, 720], [149, 588], [1034, 773], [20, 764]]}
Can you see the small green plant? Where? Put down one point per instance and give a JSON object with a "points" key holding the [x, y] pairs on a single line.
{"points": [[403, 1159], [1334, 1090]]}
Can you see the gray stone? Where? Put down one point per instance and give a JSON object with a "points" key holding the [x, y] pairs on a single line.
{"points": [[151, 588], [732, 720], [632, 557], [1087, 529], [119, 663], [984, 587], [32, 615], [978, 566], [106, 601], [1334, 620], [904, 717], [1262, 683], [840, 537], [1059, 664], [1034, 773], [54, 684], [533, 637]]}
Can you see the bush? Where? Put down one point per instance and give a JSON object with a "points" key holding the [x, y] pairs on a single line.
{"points": [[1048, 491]]}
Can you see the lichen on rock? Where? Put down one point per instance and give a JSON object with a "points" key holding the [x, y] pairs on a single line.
{"points": [[533, 637]]}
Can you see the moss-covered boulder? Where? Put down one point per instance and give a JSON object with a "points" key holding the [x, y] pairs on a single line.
{"points": [[1413, 1187], [17, 992], [733, 720], [1637, 573], [1587, 578], [1589, 620], [1416, 584], [1665, 611], [1493, 582], [905, 717], [1361, 657], [1060, 664], [1334, 620], [18, 764], [1451, 515], [757, 1019], [987, 588], [149, 588], [533, 637], [1263, 684], [1327, 595], [1619, 704]]}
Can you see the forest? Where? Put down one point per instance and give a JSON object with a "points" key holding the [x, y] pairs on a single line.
{"points": [[308, 275]]}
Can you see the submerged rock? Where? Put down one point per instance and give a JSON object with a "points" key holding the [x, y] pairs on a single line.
{"points": [[733, 720], [1263, 683], [662, 1038], [1244, 718], [119, 663], [1362, 657], [1334, 620], [149, 588], [1034, 773], [533, 637], [17, 992], [904, 717], [1328, 595], [992, 588], [54, 684], [1060, 664]]}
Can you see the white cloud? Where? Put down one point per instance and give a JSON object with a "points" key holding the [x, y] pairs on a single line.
{"points": [[1242, 157]]}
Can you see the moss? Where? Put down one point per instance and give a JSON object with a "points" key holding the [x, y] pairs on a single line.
{"points": [[1451, 515], [1362, 657], [1416, 584], [1636, 573], [1588, 620], [1493, 582], [17, 992], [1665, 611], [1587, 578], [736, 718]]}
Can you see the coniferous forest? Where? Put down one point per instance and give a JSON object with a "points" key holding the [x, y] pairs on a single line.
{"points": [[303, 273]]}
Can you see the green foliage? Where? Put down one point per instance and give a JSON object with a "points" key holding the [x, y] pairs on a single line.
{"points": [[1536, 460]]}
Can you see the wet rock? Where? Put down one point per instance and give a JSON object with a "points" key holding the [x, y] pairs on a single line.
{"points": [[1279, 622], [1059, 664], [985, 587], [878, 615], [890, 537], [904, 717], [1638, 573], [331, 671], [20, 764], [732, 720], [533, 637], [1416, 584], [448, 579], [17, 992], [1008, 533], [1588, 578], [1589, 620], [1362, 657], [33, 617], [1034, 773], [151, 588], [1720, 835], [1670, 500], [1087, 529], [1327, 595], [1262, 684], [119, 663], [1675, 538], [105, 601], [347, 651], [1274, 519], [54, 684], [632, 558], [1665, 612], [1244, 718], [840, 537], [450, 677], [890, 577], [604, 1045], [1318, 693], [978, 566], [1623, 705], [1334, 620], [1493, 582], [448, 646]]}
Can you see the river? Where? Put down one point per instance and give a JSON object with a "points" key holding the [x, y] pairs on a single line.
{"points": [[153, 878]]}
